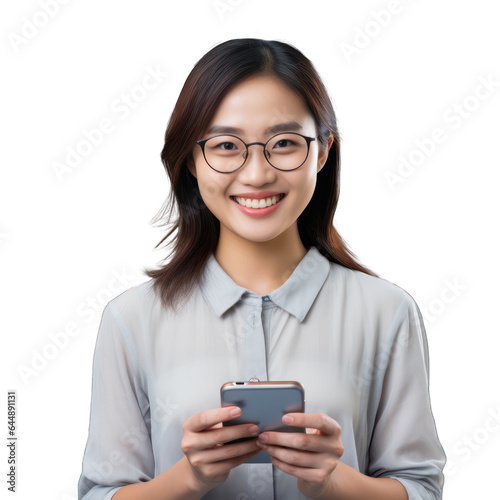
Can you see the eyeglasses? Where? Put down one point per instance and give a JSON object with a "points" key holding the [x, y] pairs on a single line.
{"points": [[226, 153]]}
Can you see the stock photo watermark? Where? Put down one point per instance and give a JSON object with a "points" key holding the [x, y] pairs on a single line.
{"points": [[294, 276], [59, 340], [281, 116], [453, 117], [131, 440], [236, 336], [449, 293], [470, 444], [121, 108], [223, 7], [373, 368], [31, 26], [12, 456], [371, 29]]}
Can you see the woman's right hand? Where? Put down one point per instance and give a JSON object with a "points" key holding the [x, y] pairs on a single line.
{"points": [[203, 444]]}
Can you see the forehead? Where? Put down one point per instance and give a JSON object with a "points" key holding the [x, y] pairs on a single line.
{"points": [[260, 102]]}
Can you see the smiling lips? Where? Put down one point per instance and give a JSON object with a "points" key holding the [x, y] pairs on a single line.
{"points": [[259, 202]]}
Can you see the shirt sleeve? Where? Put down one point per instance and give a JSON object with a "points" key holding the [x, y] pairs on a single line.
{"points": [[118, 450], [405, 445]]}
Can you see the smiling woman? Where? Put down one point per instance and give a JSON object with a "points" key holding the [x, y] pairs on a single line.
{"points": [[252, 89], [259, 284]]}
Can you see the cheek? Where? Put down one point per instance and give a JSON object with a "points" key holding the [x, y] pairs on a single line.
{"points": [[304, 190], [212, 189], [304, 185]]}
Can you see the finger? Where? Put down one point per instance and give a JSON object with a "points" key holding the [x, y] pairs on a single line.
{"points": [[208, 418], [320, 421], [296, 440], [305, 473], [222, 435], [243, 458], [299, 458], [228, 462], [231, 451]]}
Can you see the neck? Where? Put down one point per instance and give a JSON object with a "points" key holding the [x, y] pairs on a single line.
{"points": [[260, 267]]}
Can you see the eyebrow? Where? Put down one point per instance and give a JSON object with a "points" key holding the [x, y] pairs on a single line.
{"points": [[280, 127]]}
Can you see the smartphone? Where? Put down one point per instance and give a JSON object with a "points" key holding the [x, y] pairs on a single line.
{"points": [[264, 404]]}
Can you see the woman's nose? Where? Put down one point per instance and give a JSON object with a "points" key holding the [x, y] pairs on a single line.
{"points": [[256, 168]]}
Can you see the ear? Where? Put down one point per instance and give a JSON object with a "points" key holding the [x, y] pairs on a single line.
{"points": [[323, 153], [191, 166]]}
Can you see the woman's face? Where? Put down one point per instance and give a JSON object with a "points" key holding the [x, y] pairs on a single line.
{"points": [[253, 105]]}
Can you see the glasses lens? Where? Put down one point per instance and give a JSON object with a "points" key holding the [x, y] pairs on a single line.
{"points": [[287, 151], [225, 153]]}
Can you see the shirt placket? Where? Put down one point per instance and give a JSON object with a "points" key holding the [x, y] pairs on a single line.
{"points": [[255, 346], [260, 476]]}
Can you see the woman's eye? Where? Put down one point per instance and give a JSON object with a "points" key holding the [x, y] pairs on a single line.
{"points": [[282, 143], [228, 144]]}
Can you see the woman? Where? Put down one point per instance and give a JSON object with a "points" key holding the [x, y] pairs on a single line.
{"points": [[259, 284]]}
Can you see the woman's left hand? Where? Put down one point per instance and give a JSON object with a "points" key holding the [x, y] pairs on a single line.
{"points": [[310, 457]]}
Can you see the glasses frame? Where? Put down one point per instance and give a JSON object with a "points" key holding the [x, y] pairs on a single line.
{"points": [[202, 143]]}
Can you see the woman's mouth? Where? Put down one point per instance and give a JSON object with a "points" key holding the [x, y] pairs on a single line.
{"points": [[262, 203]]}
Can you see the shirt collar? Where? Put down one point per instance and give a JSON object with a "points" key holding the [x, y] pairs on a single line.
{"points": [[295, 296]]}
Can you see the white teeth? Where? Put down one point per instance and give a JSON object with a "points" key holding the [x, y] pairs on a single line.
{"points": [[262, 203]]}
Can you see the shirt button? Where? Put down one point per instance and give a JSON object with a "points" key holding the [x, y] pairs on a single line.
{"points": [[266, 298]]}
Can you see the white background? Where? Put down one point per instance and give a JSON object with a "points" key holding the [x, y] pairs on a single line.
{"points": [[394, 77]]}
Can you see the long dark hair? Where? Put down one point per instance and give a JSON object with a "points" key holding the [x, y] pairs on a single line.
{"points": [[196, 228]]}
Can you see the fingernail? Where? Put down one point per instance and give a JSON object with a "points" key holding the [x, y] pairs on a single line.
{"points": [[254, 429], [235, 412], [263, 438], [287, 419]]}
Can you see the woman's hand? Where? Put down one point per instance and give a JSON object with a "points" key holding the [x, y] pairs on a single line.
{"points": [[310, 457], [203, 444]]}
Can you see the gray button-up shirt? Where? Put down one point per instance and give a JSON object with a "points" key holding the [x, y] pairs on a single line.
{"points": [[355, 342]]}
